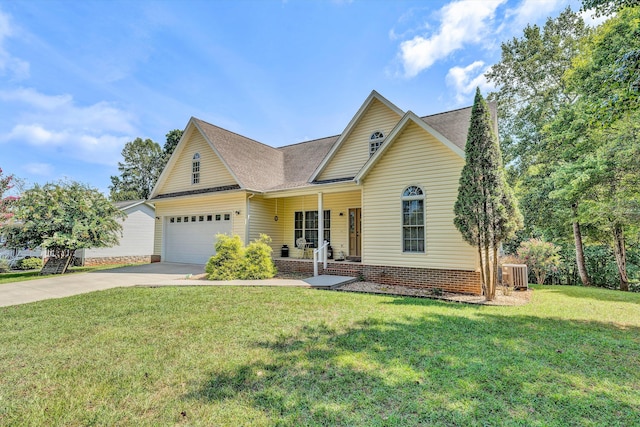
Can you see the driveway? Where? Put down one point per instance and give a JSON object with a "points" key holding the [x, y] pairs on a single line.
{"points": [[80, 283], [156, 274]]}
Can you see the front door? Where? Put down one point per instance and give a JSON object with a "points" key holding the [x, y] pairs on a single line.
{"points": [[355, 239]]}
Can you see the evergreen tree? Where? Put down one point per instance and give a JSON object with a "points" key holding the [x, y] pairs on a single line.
{"points": [[486, 212]]}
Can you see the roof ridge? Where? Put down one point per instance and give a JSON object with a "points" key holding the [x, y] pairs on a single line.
{"points": [[306, 142], [446, 112], [235, 133]]}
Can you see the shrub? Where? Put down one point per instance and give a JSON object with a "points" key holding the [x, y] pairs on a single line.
{"points": [[540, 256], [257, 260], [4, 265], [227, 261], [233, 261], [30, 264]]}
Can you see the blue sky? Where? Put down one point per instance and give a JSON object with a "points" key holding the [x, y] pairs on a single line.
{"points": [[78, 79]]}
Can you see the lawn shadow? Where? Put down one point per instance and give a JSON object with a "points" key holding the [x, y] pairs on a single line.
{"points": [[440, 369]]}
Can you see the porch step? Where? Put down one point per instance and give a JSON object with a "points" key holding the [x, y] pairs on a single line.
{"points": [[325, 281]]}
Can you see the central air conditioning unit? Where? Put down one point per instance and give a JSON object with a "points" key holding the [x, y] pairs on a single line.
{"points": [[515, 276]]}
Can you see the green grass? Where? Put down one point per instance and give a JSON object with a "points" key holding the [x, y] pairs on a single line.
{"points": [[21, 276], [279, 356]]}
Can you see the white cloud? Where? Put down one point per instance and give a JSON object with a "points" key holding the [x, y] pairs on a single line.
{"points": [[16, 68], [42, 169], [465, 80], [529, 11], [591, 20], [94, 133], [462, 22]]}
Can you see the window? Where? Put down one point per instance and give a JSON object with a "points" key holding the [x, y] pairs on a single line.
{"points": [[413, 219], [209, 217], [306, 224], [375, 141], [172, 219], [201, 218], [195, 169], [218, 217], [227, 217], [186, 219]]}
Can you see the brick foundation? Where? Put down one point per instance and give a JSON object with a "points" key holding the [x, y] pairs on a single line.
{"points": [[460, 281], [137, 259]]}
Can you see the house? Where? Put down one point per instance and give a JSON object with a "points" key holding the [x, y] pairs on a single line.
{"points": [[382, 193], [136, 242]]}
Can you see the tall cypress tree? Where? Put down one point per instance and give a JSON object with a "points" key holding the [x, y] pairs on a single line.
{"points": [[486, 212]]}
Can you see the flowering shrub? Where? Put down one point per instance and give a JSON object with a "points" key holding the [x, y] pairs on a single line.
{"points": [[540, 256]]}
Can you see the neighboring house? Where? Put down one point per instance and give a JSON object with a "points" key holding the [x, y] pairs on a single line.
{"points": [[136, 241], [385, 188]]}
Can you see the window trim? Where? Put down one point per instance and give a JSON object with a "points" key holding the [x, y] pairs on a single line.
{"points": [[195, 169], [375, 142], [422, 197], [304, 229]]}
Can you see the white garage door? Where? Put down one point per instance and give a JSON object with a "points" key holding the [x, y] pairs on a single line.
{"points": [[190, 238]]}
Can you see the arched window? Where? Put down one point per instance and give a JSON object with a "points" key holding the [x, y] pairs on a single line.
{"points": [[195, 169], [413, 219], [375, 141]]}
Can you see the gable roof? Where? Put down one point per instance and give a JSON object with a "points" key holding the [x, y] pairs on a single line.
{"points": [[128, 204], [255, 166], [347, 131], [259, 167], [409, 117]]}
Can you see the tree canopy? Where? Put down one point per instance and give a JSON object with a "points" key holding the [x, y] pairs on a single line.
{"points": [[486, 212], [143, 163], [64, 217]]}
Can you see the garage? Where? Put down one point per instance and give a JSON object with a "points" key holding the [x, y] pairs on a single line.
{"points": [[190, 238]]}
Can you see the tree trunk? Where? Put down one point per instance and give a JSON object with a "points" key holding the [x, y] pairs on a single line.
{"points": [[494, 275], [621, 256], [491, 292], [577, 236], [482, 272]]}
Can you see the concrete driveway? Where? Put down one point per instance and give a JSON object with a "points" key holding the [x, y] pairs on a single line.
{"points": [[80, 283], [157, 274]]}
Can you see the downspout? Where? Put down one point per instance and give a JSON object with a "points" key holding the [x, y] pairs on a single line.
{"points": [[248, 220]]}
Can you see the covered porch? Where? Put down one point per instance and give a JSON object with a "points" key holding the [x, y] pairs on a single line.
{"points": [[303, 219]]}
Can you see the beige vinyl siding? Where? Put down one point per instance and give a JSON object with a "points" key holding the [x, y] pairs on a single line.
{"points": [[334, 202], [354, 150], [415, 158], [213, 173], [201, 205], [262, 221]]}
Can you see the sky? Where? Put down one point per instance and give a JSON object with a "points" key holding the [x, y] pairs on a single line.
{"points": [[79, 79]]}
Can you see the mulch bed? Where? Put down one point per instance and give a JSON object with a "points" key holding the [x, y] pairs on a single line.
{"points": [[514, 298]]}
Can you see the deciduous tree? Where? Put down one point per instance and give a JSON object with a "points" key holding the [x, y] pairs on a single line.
{"points": [[143, 163], [64, 217]]}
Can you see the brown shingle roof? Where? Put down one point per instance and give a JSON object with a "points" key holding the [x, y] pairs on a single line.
{"points": [[260, 167], [454, 125], [257, 166]]}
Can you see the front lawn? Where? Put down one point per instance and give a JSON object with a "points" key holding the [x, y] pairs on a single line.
{"points": [[280, 356]]}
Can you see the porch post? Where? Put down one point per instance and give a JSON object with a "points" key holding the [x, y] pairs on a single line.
{"points": [[320, 221]]}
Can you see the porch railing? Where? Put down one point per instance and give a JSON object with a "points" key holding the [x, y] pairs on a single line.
{"points": [[320, 254]]}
